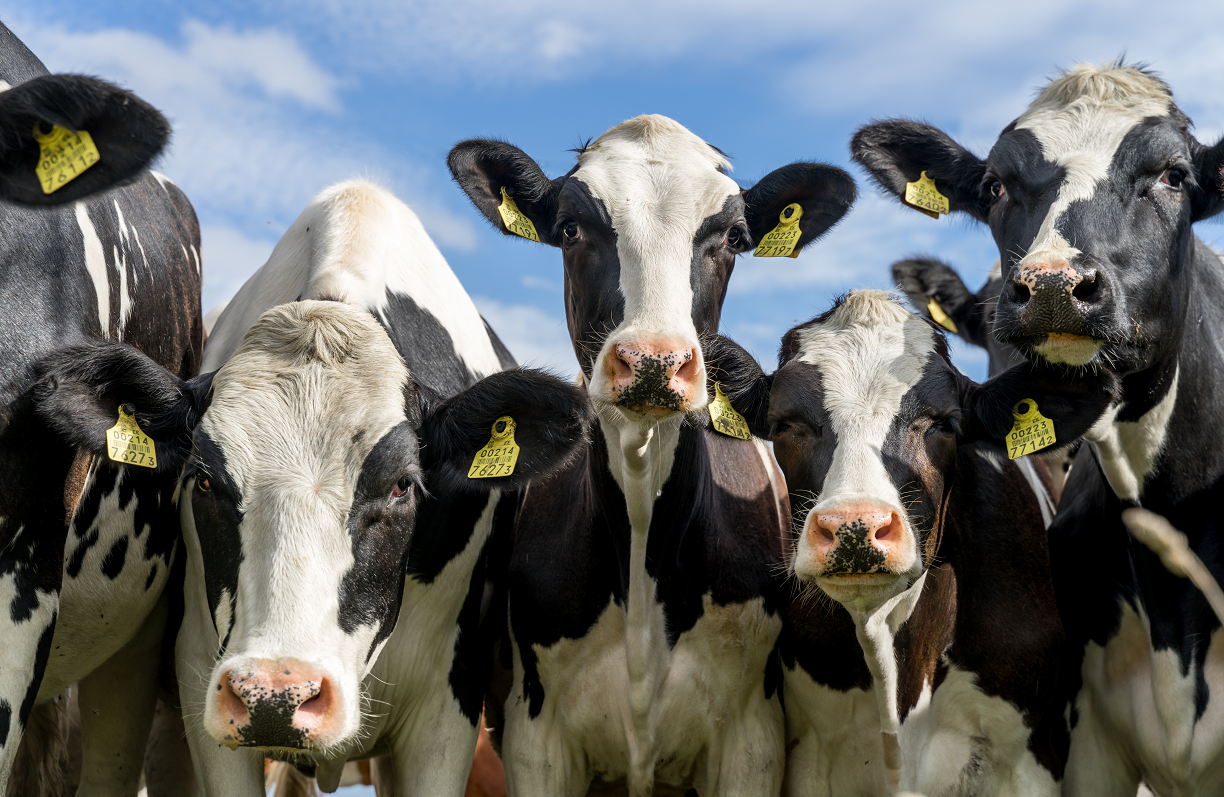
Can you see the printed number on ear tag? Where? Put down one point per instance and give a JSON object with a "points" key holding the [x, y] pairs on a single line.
{"points": [[940, 317], [514, 219], [924, 197], [62, 156], [781, 240], [724, 417], [1031, 432], [126, 443], [499, 455]]}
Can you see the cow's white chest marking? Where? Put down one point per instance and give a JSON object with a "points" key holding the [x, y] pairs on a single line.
{"points": [[1126, 450]]}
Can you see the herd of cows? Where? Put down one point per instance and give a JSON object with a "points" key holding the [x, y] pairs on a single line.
{"points": [[299, 554]]}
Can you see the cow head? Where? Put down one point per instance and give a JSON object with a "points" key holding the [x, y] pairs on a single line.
{"points": [[649, 225], [1090, 195], [865, 413]]}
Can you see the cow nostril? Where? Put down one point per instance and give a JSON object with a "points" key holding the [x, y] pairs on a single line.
{"points": [[1020, 292], [890, 530], [687, 371], [1086, 289]]}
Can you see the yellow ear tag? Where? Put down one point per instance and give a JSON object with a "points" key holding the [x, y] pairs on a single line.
{"points": [[63, 155], [724, 417], [127, 444], [924, 197], [939, 316], [514, 219], [781, 240], [499, 455], [1031, 432]]}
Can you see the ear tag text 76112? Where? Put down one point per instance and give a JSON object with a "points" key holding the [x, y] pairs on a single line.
{"points": [[1031, 432], [62, 156], [781, 240], [724, 417], [499, 455], [126, 443], [514, 219], [939, 316], [924, 197]]}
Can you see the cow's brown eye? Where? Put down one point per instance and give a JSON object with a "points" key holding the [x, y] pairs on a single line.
{"points": [[202, 485], [1173, 177], [402, 486], [997, 190], [570, 231]]}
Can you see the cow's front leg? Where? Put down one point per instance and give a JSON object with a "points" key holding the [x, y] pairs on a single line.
{"points": [[432, 754], [537, 759], [752, 757]]}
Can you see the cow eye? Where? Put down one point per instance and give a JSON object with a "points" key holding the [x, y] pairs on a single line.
{"points": [[402, 486], [997, 190], [203, 485], [1173, 177], [570, 231], [735, 238]]}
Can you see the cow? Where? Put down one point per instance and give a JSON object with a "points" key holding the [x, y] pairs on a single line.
{"points": [[644, 580], [1091, 195], [86, 543], [932, 669]]}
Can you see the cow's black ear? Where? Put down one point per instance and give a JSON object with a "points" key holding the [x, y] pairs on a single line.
{"points": [[1073, 400], [127, 132], [552, 419], [1207, 191], [898, 151], [80, 389], [824, 192], [741, 380], [483, 167], [923, 279]]}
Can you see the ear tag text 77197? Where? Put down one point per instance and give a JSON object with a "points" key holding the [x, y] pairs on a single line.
{"points": [[499, 455], [62, 156], [514, 219], [1031, 432], [724, 417], [126, 443], [781, 240], [924, 197], [939, 316]]}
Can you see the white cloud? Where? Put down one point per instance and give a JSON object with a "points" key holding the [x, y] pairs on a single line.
{"points": [[534, 337], [230, 258]]}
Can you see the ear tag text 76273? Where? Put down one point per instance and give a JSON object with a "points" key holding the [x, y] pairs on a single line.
{"points": [[924, 197], [499, 455], [724, 417], [1031, 432], [939, 316], [62, 156], [781, 240], [126, 443], [514, 219]]}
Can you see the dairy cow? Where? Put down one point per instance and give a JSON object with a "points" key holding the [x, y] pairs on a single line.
{"points": [[643, 583], [86, 544], [933, 671], [1091, 195]]}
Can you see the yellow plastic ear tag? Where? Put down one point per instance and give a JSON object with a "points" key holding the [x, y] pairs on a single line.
{"points": [[127, 444], [781, 240], [939, 316], [724, 417], [499, 455], [514, 219], [924, 197], [63, 155], [1031, 432]]}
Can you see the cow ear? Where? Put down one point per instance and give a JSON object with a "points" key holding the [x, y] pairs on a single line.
{"points": [[127, 132], [80, 389], [551, 418], [483, 167], [1073, 400], [824, 192], [741, 380], [955, 309], [898, 151], [1207, 195]]}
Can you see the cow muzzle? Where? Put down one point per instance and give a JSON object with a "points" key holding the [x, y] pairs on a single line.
{"points": [[281, 703], [856, 552], [655, 377], [1051, 303]]}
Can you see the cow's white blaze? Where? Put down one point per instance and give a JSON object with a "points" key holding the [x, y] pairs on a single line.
{"points": [[95, 263]]}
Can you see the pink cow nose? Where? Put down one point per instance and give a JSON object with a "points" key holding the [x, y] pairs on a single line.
{"points": [[655, 377], [275, 703], [856, 540]]}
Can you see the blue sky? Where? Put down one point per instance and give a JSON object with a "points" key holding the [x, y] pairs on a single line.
{"points": [[273, 101]]}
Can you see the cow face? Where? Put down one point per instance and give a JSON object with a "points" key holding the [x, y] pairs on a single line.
{"points": [[649, 225], [1090, 195]]}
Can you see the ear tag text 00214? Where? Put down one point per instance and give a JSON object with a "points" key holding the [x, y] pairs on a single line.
{"points": [[126, 443], [724, 417], [499, 455], [924, 197], [1031, 432], [940, 317], [781, 240], [514, 219], [62, 156]]}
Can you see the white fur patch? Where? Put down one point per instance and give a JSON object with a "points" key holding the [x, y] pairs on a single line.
{"points": [[95, 264], [1127, 450]]}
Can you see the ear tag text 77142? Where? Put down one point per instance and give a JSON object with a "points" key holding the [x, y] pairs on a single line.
{"points": [[940, 317], [1031, 432], [514, 219], [781, 240], [62, 156], [724, 417], [924, 197], [499, 455], [126, 443]]}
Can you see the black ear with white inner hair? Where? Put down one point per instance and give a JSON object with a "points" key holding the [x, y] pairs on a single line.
{"points": [[823, 193], [497, 175]]}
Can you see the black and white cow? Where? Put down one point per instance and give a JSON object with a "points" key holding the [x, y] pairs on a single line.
{"points": [[644, 580], [1091, 195], [86, 545], [933, 673]]}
